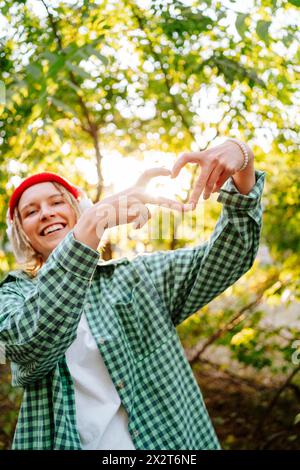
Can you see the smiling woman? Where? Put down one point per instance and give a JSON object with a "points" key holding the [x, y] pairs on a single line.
{"points": [[37, 208], [40, 219], [94, 343]]}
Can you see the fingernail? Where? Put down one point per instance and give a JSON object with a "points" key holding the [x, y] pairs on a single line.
{"points": [[189, 206]]}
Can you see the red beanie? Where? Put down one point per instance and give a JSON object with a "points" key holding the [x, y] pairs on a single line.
{"points": [[35, 179]]}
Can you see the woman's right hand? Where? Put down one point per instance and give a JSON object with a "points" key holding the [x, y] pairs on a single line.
{"points": [[122, 208]]}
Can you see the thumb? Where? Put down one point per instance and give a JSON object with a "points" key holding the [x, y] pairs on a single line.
{"points": [[176, 169]]}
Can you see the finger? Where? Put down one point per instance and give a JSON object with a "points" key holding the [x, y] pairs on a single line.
{"points": [[142, 219], [184, 158], [163, 201], [140, 196], [147, 175], [137, 212], [142, 216], [188, 207], [210, 183], [221, 180], [134, 210], [200, 185], [146, 219], [189, 157]]}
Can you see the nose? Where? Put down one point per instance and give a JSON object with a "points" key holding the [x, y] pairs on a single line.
{"points": [[46, 211]]}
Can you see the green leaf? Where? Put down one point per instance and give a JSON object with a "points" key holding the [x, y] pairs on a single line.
{"points": [[77, 70], [240, 24], [49, 56], [34, 70], [61, 105], [56, 66], [2, 93], [297, 419], [73, 86], [262, 30], [93, 51], [295, 2]]}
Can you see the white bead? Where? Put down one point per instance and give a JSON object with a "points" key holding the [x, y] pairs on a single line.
{"points": [[244, 152]]}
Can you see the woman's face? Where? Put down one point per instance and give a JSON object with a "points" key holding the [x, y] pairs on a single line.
{"points": [[41, 206]]}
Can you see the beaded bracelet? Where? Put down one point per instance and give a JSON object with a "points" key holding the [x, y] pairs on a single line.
{"points": [[244, 150]]}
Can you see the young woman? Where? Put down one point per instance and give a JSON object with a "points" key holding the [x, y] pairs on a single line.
{"points": [[93, 343]]}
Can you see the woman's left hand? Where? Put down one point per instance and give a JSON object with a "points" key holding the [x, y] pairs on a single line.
{"points": [[217, 165]]}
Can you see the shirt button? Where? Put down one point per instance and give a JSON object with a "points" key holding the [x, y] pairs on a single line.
{"points": [[120, 384], [101, 340], [135, 432], [88, 305]]}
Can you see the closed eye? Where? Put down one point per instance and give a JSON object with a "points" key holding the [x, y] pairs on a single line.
{"points": [[32, 212]]}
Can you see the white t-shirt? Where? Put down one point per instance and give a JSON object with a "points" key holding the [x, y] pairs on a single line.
{"points": [[102, 420]]}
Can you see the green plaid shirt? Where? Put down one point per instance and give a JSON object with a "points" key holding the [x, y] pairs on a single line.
{"points": [[132, 308]]}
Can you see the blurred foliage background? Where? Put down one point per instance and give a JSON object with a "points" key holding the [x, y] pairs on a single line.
{"points": [[94, 90]]}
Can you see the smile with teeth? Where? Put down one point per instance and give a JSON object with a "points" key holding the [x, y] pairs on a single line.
{"points": [[52, 228]]}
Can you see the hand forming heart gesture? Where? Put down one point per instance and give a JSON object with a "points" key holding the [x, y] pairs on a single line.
{"points": [[217, 165], [122, 208]]}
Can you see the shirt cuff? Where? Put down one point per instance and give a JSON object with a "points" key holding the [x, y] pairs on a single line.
{"points": [[76, 257], [234, 202]]}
